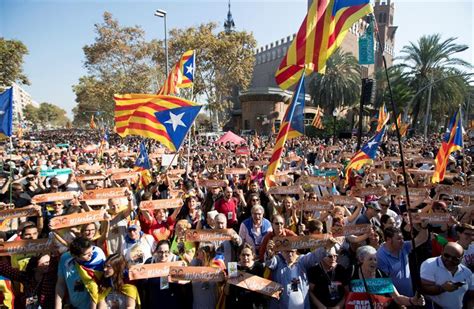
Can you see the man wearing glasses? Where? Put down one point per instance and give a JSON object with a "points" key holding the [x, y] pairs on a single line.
{"points": [[279, 230], [445, 280]]}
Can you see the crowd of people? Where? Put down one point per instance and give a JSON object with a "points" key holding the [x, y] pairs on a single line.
{"points": [[402, 256]]}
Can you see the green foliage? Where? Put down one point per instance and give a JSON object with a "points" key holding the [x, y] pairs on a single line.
{"points": [[46, 115], [431, 60], [11, 62], [340, 85]]}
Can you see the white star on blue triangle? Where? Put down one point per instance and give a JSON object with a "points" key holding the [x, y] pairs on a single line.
{"points": [[370, 148], [177, 122], [143, 161]]}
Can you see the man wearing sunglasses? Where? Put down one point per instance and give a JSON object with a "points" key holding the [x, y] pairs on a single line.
{"points": [[445, 280]]}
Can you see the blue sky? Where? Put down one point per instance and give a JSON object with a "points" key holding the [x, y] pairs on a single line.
{"points": [[56, 31]]}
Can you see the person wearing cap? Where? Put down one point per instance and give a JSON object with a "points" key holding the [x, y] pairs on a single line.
{"points": [[138, 246], [370, 215], [384, 203], [392, 257]]}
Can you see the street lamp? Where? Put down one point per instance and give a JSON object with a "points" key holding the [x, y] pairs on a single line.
{"points": [[162, 13], [428, 104]]}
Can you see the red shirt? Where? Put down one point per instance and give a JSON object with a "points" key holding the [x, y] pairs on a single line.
{"points": [[158, 230], [229, 209]]}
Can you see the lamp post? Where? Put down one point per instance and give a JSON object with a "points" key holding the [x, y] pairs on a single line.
{"points": [[428, 104], [162, 13]]}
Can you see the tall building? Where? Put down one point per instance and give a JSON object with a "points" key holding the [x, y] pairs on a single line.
{"points": [[229, 24], [263, 86], [21, 98]]}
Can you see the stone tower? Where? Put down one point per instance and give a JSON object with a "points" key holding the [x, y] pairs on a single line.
{"points": [[384, 11], [229, 24]]}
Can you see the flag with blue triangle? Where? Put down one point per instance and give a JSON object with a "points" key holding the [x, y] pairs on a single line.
{"points": [[142, 165], [177, 122], [6, 113]]}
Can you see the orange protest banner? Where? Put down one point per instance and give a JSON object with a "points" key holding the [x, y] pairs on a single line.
{"points": [[343, 200], [300, 242], [433, 217], [361, 192], [329, 165], [112, 171], [284, 190], [215, 162], [25, 246], [196, 273], [161, 204], [80, 218], [97, 202], [411, 191], [124, 175], [209, 235], [314, 181], [212, 183], [175, 193], [29, 211], [257, 284], [87, 167], [347, 230], [177, 172], [51, 197], [103, 193], [90, 177], [258, 163], [154, 270], [456, 190], [315, 205], [236, 171]]}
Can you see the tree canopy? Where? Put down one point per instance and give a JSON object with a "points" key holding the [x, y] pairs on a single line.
{"points": [[11, 63], [46, 115]]}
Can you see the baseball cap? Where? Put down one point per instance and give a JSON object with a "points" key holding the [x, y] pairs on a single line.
{"points": [[133, 225], [374, 205]]}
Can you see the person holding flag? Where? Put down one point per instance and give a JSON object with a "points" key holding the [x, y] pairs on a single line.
{"points": [[142, 165]]}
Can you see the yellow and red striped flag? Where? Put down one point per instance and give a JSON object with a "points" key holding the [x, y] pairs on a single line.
{"points": [[137, 114], [399, 122], [317, 120], [452, 141], [181, 76], [291, 127], [92, 122], [321, 32], [383, 118]]}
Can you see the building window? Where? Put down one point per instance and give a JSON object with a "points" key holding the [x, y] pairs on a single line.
{"points": [[273, 55], [246, 124]]}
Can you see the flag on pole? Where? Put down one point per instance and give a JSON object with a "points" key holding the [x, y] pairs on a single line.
{"points": [[187, 67], [181, 76], [383, 118], [6, 113], [365, 155], [321, 32], [163, 118], [142, 164], [317, 120], [452, 141], [291, 127], [92, 122]]}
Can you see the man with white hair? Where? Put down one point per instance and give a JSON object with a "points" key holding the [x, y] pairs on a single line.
{"points": [[226, 247], [253, 229]]}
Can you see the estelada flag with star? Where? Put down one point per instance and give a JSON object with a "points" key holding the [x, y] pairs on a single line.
{"points": [[181, 75], [142, 164], [166, 119], [365, 155]]}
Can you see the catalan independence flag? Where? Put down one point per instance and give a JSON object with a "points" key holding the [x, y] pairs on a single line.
{"points": [[292, 126], [365, 155], [317, 120], [187, 67], [452, 141], [383, 118], [142, 165], [181, 76], [6, 113], [399, 123], [321, 32], [160, 117]]}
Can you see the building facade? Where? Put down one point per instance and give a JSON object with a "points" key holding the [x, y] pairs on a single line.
{"points": [[21, 98]]}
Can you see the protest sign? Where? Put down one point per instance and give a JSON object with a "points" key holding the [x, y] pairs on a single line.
{"points": [[256, 284], [242, 151], [285, 190], [103, 193], [196, 273], [29, 211], [80, 218], [456, 190], [329, 165], [25, 246], [51, 197], [420, 172], [374, 285], [90, 177], [169, 159], [236, 171], [175, 193], [343, 200], [315, 181], [315, 205], [411, 191], [96, 202], [300, 242], [362, 301], [161, 204], [87, 167], [55, 172], [124, 175], [155, 270], [209, 235], [112, 171], [361, 192], [347, 230], [258, 163], [434, 217], [212, 183], [177, 172], [215, 162]]}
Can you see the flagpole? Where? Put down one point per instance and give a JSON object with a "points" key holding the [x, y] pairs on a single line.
{"points": [[415, 279], [192, 124]]}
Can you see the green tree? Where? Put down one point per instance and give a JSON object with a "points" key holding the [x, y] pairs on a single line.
{"points": [[30, 113], [431, 60], [340, 85], [223, 61], [119, 61], [46, 115], [11, 62]]}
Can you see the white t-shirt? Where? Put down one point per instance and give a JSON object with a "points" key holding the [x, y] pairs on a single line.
{"points": [[433, 270], [468, 259]]}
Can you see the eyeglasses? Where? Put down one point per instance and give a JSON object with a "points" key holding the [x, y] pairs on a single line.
{"points": [[255, 200], [163, 252], [452, 257], [331, 256], [278, 223]]}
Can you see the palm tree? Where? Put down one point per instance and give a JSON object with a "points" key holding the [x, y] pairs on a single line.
{"points": [[340, 85], [431, 61]]}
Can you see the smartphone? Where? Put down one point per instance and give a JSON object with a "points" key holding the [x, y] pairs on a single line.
{"points": [[460, 284]]}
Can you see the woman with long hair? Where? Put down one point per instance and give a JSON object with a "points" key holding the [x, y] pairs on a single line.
{"points": [[116, 292], [205, 294]]}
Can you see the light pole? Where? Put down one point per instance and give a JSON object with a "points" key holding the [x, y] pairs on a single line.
{"points": [[162, 13], [428, 104]]}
